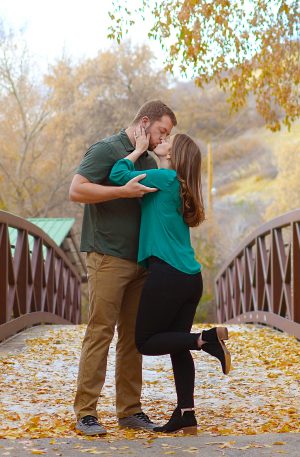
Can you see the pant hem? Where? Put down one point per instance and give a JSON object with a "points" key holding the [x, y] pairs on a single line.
{"points": [[131, 412], [86, 413]]}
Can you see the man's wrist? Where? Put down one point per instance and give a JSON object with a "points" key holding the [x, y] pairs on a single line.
{"points": [[122, 192]]}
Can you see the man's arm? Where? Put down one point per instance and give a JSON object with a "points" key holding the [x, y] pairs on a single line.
{"points": [[83, 191]]}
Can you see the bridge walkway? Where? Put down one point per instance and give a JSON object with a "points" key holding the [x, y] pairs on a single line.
{"points": [[261, 395]]}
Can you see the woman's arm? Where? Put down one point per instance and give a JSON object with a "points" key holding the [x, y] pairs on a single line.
{"points": [[123, 171], [86, 186]]}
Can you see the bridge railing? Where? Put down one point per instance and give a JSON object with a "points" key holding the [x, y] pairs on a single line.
{"points": [[38, 283], [261, 282]]}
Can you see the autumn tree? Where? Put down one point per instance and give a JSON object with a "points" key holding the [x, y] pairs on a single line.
{"points": [[245, 46], [33, 172], [96, 97], [23, 118], [205, 115], [46, 125]]}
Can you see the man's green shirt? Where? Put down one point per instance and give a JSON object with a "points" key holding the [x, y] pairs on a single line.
{"points": [[111, 227]]}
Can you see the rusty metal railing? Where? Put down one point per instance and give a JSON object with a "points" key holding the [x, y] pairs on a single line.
{"points": [[37, 284], [261, 282]]}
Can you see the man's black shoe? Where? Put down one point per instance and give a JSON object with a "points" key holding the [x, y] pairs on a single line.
{"points": [[136, 421]]}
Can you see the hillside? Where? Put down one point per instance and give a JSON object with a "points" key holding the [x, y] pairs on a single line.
{"points": [[245, 176]]}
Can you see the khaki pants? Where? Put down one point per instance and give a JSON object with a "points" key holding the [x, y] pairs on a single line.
{"points": [[115, 287]]}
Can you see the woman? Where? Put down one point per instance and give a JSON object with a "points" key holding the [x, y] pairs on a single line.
{"points": [[173, 286]]}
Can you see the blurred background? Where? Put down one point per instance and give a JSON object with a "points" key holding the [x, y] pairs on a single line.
{"points": [[64, 85]]}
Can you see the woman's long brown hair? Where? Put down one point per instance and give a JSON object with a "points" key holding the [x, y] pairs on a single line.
{"points": [[186, 161]]}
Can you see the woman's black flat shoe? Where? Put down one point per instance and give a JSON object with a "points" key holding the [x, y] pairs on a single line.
{"points": [[185, 422]]}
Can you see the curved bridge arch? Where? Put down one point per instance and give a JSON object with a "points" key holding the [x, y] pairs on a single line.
{"points": [[38, 284], [261, 281]]}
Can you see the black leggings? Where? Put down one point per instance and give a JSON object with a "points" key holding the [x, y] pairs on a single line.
{"points": [[164, 321]]}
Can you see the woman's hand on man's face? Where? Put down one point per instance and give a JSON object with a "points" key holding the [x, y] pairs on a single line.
{"points": [[141, 139]]}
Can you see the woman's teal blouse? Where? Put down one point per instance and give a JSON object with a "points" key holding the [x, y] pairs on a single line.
{"points": [[163, 231]]}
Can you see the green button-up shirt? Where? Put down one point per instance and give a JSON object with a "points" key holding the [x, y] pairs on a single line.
{"points": [[111, 227]]}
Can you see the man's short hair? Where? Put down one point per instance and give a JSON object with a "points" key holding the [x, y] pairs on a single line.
{"points": [[154, 110]]}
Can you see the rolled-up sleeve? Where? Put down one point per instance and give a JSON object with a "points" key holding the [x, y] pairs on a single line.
{"points": [[97, 163]]}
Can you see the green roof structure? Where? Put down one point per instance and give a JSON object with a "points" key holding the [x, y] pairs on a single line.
{"points": [[56, 228], [59, 229]]}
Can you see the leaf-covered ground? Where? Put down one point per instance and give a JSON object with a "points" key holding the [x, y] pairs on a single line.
{"points": [[261, 393]]}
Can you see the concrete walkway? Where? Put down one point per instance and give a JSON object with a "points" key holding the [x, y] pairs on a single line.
{"points": [[203, 445], [245, 413]]}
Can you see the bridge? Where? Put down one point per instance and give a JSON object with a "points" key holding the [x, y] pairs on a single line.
{"points": [[261, 282], [257, 296], [40, 281]]}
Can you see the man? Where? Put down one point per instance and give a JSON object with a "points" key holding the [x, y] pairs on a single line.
{"points": [[110, 233]]}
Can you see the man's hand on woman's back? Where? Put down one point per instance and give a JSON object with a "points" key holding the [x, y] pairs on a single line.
{"points": [[134, 189]]}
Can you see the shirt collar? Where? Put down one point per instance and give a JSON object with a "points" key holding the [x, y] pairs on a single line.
{"points": [[127, 143]]}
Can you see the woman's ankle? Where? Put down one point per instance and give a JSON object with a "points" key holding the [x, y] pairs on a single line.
{"points": [[183, 410], [200, 341]]}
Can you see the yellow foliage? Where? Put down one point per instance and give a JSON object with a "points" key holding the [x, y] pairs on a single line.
{"points": [[244, 48]]}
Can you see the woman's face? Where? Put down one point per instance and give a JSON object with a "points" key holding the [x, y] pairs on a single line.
{"points": [[164, 148]]}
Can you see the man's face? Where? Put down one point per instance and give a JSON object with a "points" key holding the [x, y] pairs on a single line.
{"points": [[159, 131]]}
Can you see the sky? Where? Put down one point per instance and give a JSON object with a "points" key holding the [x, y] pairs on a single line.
{"points": [[77, 28]]}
